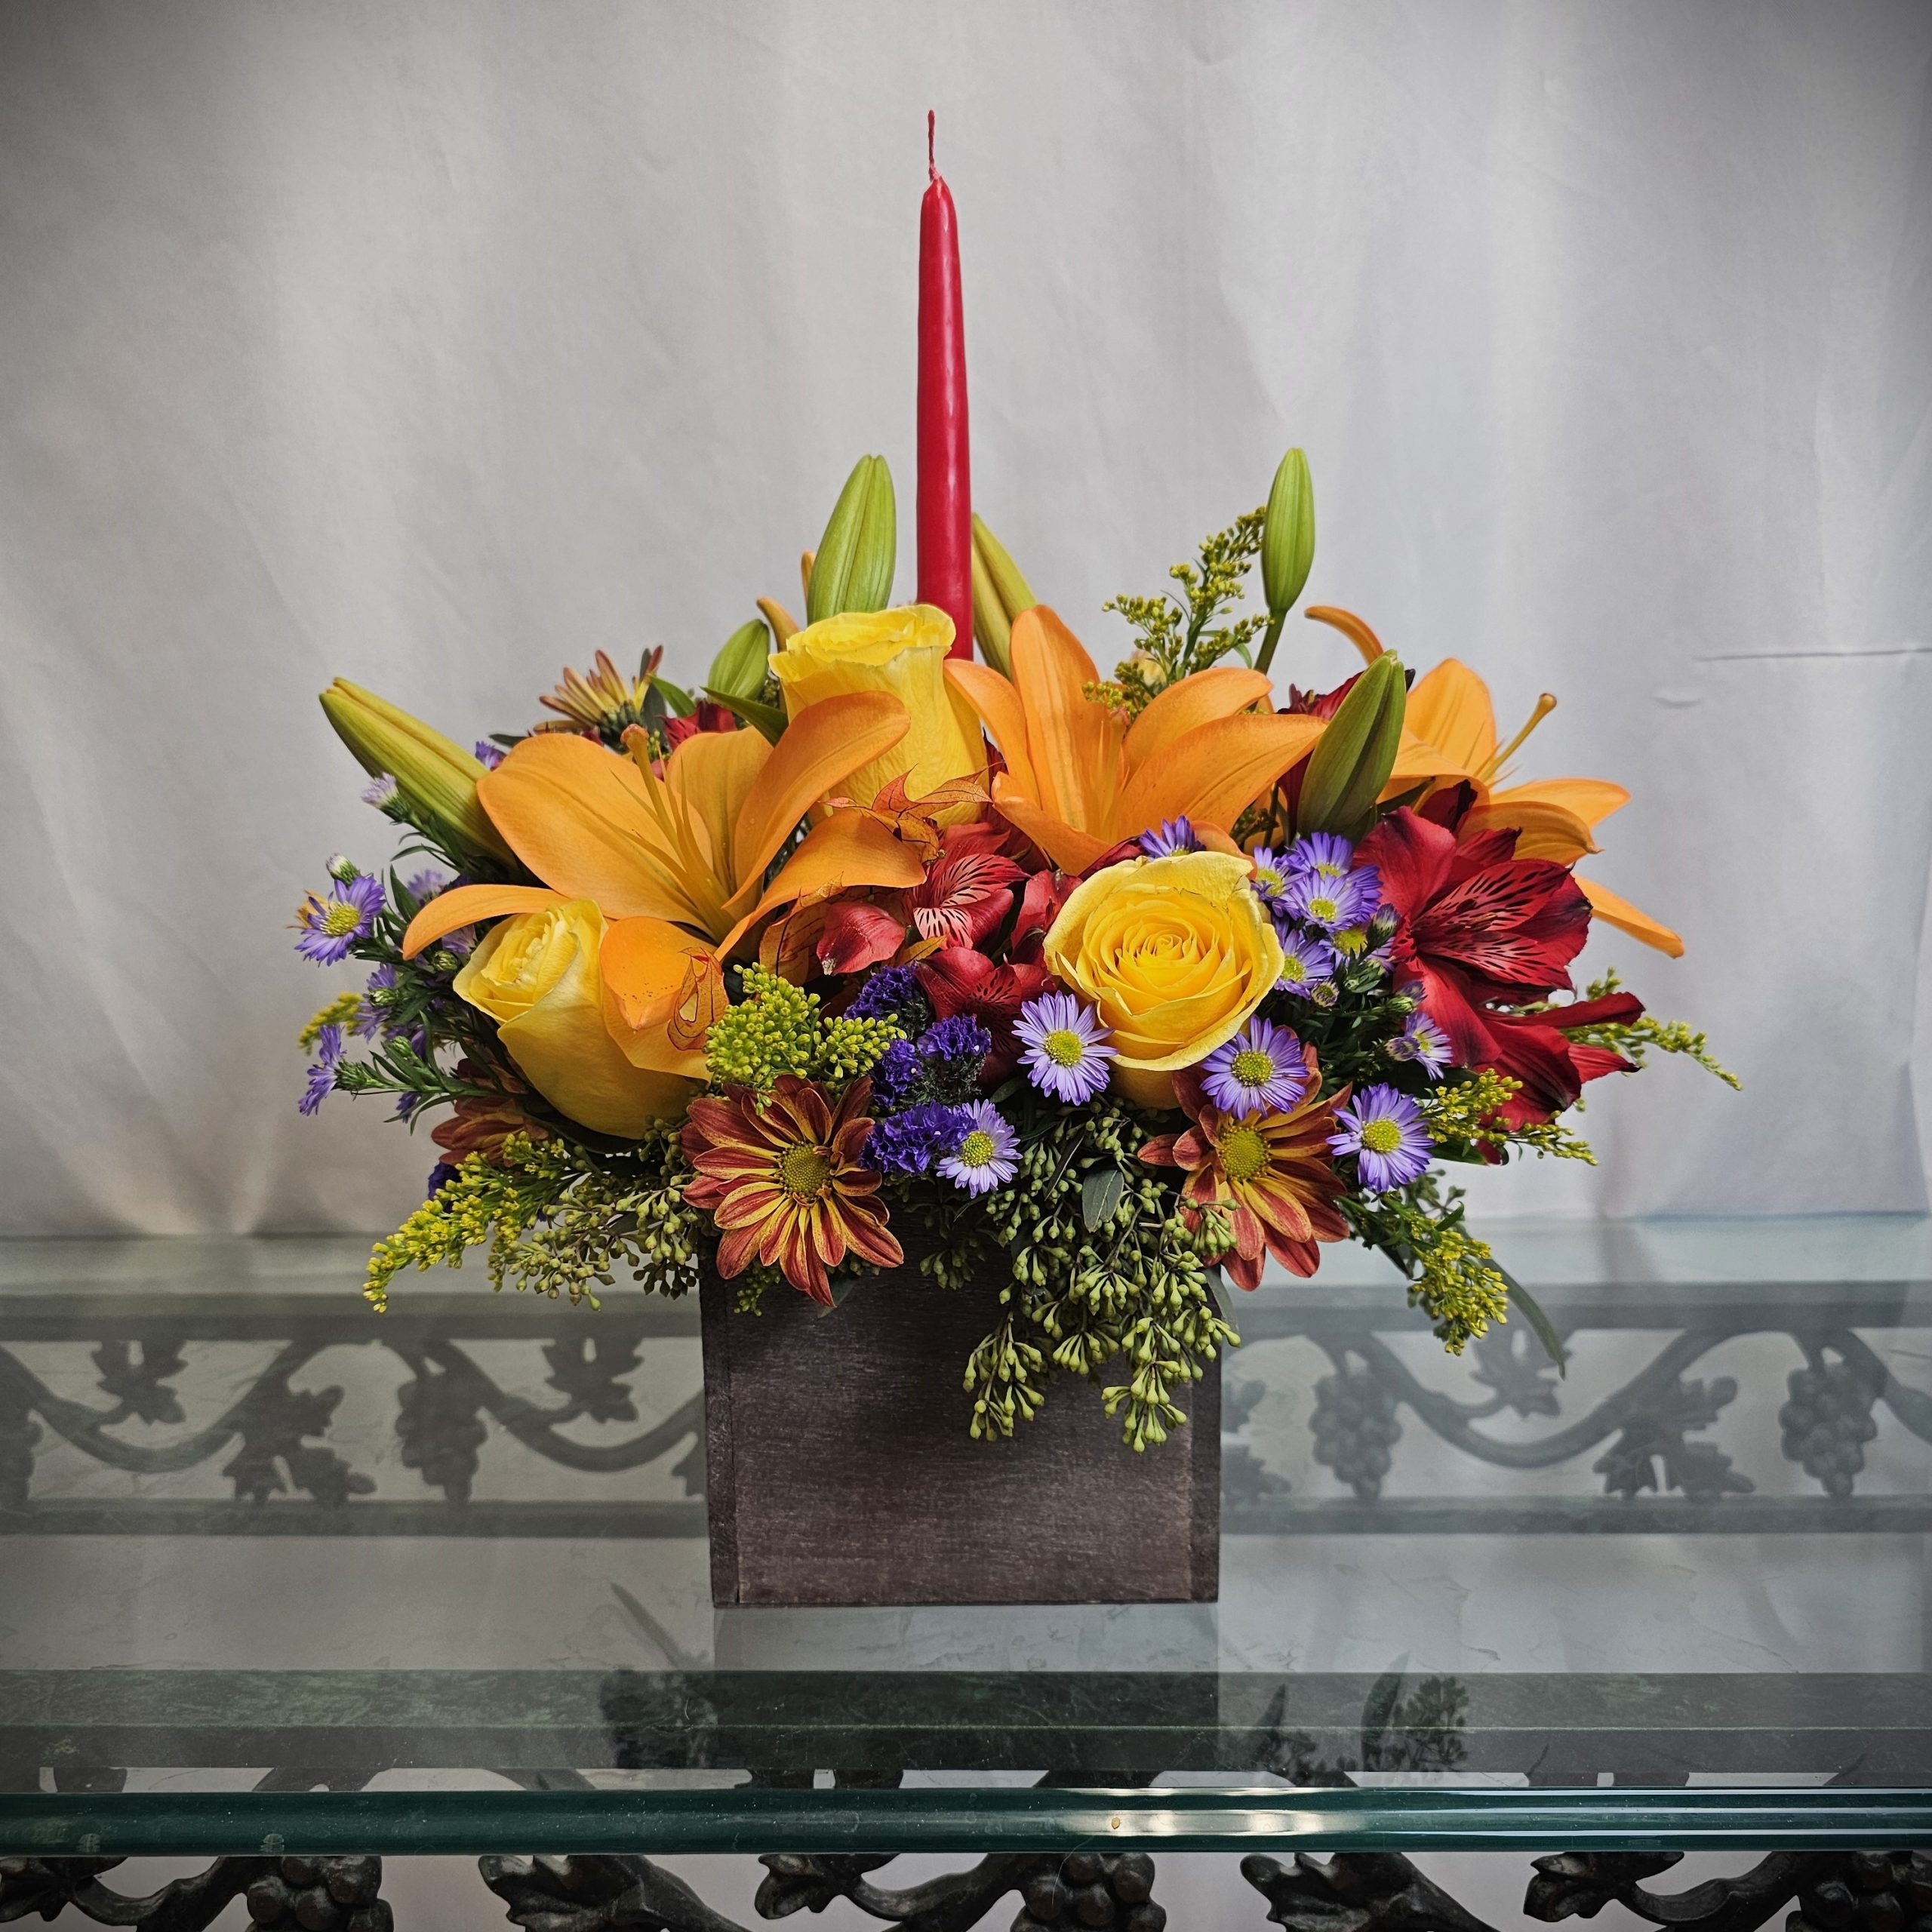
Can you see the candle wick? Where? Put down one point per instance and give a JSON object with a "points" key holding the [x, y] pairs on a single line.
{"points": [[932, 166]]}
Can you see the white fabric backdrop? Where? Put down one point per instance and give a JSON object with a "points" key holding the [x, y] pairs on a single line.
{"points": [[441, 345]]}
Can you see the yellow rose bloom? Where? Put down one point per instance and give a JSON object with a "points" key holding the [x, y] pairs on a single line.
{"points": [[537, 975], [903, 653], [1174, 953]]}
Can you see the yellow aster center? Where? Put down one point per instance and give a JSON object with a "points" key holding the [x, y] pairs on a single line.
{"points": [[1351, 940], [1324, 908], [1382, 1136], [803, 1172], [1292, 968], [977, 1148], [1267, 879], [341, 919], [1243, 1152], [1253, 1068], [1064, 1047]]}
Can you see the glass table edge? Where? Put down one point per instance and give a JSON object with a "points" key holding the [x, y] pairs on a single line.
{"points": [[1030, 1819]]}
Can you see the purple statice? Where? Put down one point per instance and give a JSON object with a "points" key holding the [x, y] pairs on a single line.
{"points": [[987, 1155], [1383, 1129], [1333, 900], [441, 1175], [897, 1077], [380, 792], [1067, 1049], [893, 993], [489, 755], [950, 1054], [1271, 874], [915, 1141], [327, 928], [1307, 960], [1422, 1042], [1175, 834], [321, 1074], [1326, 852], [1260, 1070]]}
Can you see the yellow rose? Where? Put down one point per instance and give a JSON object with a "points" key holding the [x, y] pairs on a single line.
{"points": [[537, 976], [1175, 954], [902, 652]]}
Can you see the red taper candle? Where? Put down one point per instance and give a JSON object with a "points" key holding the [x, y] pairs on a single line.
{"points": [[946, 488]]}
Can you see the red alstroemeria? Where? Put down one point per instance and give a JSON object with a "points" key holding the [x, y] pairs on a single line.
{"points": [[965, 898], [957, 980], [1536, 1049], [1478, 926], [708, 717]]}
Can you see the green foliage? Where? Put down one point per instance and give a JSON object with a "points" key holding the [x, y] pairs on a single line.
{"points": [[1635, 1039], [776, 1029], [1453, 1276], [556, 1221], [1177, 636]]}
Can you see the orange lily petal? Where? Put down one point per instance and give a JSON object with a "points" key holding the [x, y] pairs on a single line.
{"points": [[1415, 759], [464, 905], [846, 850], [1075, 743], [1545, 830], [1449, 708], [1002, 714], [1626, 917], [715, 772], [1203, 699], [826, 743], [1351, 626], [1215, 772], [577, 816], [1591, 799], [1069, 848], [652, 971]]}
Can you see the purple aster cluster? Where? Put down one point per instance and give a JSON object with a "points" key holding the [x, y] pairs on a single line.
{"points": [[1384, 1130], [1323, 905], [1066, 1048], [1421, 1043], [488, 754], [321, 1079], [1174, 834], [326, 928], [1260, 1070]]}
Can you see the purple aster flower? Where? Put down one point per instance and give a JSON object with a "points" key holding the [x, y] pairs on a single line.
{"points": [[1260, 1070], [328, 927], [1271, 873], [898, 1076], [369, 1021], [322, 1075], [1382, 1128], [1333, 900], [1322, 852], [911, 1143], [1175, 834], [426, 884], [893, 992], [1307, 960], [1067, 1047], [380, 792], [1423, 1042], [986, 1155], [488, 754]]}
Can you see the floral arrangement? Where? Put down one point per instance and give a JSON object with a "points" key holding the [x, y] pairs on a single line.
{"points": [[872, 953]]}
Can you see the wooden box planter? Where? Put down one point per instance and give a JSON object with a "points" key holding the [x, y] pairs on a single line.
{"points": [[839, 1469]]}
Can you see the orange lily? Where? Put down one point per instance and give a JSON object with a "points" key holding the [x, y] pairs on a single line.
{"points": [[1078, 780], [1449, 711], [688, 848]]}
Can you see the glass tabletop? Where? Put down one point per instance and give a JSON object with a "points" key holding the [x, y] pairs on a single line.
{"points": [[273, 1568]]}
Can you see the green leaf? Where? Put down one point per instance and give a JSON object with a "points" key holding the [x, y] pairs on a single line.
{"points": [[766, 719], [1100, 1197], [1544, 1329], [677, 699]]}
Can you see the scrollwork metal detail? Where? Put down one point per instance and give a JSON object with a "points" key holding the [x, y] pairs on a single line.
{"points": [[329, 1894]]}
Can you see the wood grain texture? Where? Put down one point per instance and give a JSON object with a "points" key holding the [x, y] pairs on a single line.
{"points": [[840, 1471]]}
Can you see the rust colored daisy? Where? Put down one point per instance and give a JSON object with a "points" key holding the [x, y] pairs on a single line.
{"points": [[782, 1180], [1268, 1172], [605, 701]]}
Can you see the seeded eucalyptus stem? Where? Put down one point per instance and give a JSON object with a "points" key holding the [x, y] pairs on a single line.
{"points": [[1265, 656]]}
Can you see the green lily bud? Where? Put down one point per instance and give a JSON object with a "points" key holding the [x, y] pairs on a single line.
{"points": [[1000, 593], [437, 780], [739, 666], [1288, 534], [853, 566], [1351, 760]]}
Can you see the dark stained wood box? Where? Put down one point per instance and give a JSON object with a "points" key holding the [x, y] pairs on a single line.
{"points": [[839, 1470]]}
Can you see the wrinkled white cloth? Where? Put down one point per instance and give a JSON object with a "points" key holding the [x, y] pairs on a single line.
{"points": [[442, 345]]}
